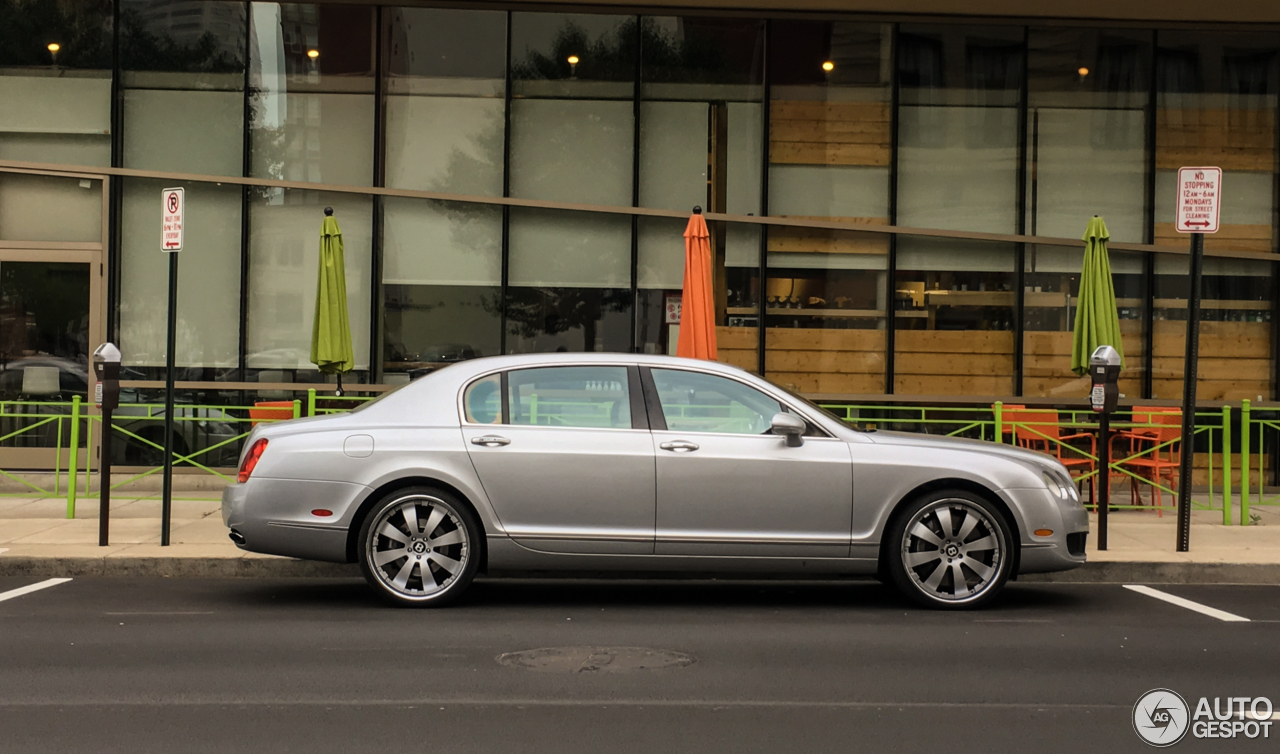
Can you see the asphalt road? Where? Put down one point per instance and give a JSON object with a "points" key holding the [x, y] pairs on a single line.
{"points": [[184, 665]]}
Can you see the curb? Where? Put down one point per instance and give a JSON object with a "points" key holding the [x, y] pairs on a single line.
{"points": [[239, 567]]}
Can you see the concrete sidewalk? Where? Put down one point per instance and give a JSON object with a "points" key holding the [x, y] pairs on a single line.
{"points": [[37, 539]]}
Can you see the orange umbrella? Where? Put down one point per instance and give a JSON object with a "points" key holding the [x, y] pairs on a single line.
{"points": [[697, 308]]}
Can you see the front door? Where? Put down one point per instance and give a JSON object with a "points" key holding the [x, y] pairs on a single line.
{"points": [[565, 458], [727, 486]]}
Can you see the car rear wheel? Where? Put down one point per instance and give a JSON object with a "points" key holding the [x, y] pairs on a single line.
{"points": [[420, 546], [950, 550]]}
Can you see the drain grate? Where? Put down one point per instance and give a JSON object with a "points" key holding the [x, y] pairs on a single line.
{"points": [[595, 659]]}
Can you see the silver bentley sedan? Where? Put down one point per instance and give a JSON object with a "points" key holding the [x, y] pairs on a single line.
{"points": [[630, 463]]}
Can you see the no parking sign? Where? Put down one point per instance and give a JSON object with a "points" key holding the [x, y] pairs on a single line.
{"points": [[174, 203]]}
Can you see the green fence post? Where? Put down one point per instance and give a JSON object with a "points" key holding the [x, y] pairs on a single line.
{"points": [[1228, 466], [998, 408], [311, 402], [88, 445], [1246, 429], [73, 457], [297, 408]]}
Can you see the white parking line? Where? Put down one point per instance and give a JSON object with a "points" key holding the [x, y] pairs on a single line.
{"points": [[31, 588], [1212, 612]]}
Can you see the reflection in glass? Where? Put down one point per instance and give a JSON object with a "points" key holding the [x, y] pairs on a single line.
{"points": [[311, 80], [1050, 307]]}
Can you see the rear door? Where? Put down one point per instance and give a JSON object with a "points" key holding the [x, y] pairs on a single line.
{"points": [[565, 456]]}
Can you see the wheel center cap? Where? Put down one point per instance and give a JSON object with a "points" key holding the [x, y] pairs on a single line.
{"points": [[952, 551], [419, 547]]}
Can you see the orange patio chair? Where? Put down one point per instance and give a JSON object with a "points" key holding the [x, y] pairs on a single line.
{"points": [[1156, 463], [1042, 430]]}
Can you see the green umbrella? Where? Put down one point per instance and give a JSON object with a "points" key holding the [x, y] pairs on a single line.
{"points": [[331, 335], [1097, 322]]}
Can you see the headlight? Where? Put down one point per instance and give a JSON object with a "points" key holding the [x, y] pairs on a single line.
{"points": [[1063, 489]]}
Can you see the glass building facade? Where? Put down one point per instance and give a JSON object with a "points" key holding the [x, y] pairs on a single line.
{"points": [[510, 181]]}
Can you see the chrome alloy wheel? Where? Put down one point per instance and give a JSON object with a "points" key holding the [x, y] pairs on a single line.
{"points": [[953, 550], [418, 547]]}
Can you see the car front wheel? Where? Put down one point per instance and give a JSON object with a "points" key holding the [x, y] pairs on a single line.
{"points": [[950, 550], [420, 546]]}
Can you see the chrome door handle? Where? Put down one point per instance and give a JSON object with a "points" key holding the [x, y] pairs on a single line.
{"points": [[679, 446], [490, 441]]}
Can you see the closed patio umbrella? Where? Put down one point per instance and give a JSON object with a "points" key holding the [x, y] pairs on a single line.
{"points": [[1097, 321], [697, 307], [331, 334]]}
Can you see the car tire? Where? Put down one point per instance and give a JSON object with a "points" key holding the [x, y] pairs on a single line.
{"points": [[411, 565], [949, 550]]}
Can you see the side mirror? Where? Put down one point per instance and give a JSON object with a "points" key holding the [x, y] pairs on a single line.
{"points": [[790, 426]]}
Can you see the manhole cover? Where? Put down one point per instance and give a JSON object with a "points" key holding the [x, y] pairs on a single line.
{"points": [[595, 659]]}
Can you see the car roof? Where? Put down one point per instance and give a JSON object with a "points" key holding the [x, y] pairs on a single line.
{"points": [[516, 361]]}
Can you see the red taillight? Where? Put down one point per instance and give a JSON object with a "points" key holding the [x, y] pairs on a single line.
{"points": [[251, 460]]}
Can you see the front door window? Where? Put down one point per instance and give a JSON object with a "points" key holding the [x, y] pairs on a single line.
{"points": [[696, 402]]}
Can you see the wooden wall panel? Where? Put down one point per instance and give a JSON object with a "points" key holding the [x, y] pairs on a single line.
{"points": [[823, 241], [1047, 371], [737, 346], [1228, 238], [962, 362], [812, 360], [829, 133], [1235, 360], [1230, 139]]}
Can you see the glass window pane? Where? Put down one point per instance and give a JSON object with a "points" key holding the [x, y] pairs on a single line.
{"points": [[208, 333], [445, 106], [46, 325], [1216, 105], [1050, 308], [483, 400], [55, 59], [50, 208], [1089, 92], [311, 80], [1235, 328], [954, 313], [958, 127], [695, 402], [826, 310], [183, 81], [570, 397], [284, 255], [442, 282]]}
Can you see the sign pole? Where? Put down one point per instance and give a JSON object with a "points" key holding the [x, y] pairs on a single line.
{"points": [[1191, 370], [173, 206], [1103, 484], [166, 502]]}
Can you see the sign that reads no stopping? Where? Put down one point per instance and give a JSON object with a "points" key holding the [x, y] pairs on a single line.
{"points": [[1199, 199], [174, 205]]}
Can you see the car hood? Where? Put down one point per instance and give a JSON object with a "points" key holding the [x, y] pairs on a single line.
{"points": [[1037, 461]]}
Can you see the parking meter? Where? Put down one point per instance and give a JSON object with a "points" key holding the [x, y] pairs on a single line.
{"points": [[106, 395], [106, 370], [1104, 369]]}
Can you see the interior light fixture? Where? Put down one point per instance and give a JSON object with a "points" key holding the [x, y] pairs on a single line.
{"points": [[313, 54], [1083, 71], [828, 66], [54, 47], [573, 60]]}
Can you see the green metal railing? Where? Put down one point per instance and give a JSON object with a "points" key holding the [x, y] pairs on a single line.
{"points": [[67, 428]]}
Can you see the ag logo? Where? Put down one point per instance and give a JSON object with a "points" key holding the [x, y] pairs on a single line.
{"points": [[1160, 717]]}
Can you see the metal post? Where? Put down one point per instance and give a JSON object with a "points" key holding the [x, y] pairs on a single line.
{"points": [[166, 498], [1226, 465], [1104, 477], [1246, 432], [73, 457], [104, 479], [998, 408], [1190, 370]]}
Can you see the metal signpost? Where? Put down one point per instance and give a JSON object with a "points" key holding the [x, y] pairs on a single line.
{"points": [[174, 205], [1199, 195]]}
